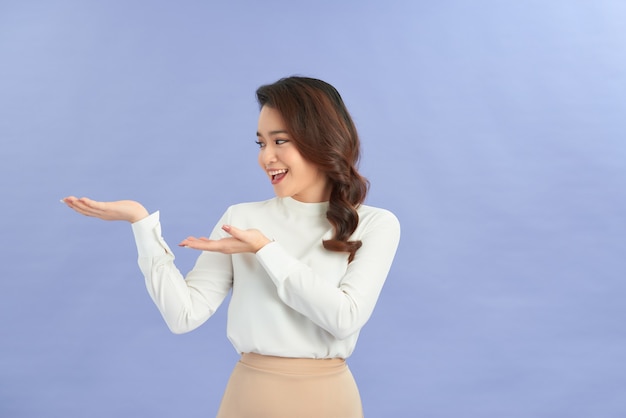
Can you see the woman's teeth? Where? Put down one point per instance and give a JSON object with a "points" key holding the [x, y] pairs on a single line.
{"points": [[274, 173]]}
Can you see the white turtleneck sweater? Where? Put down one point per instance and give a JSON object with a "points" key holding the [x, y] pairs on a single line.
{"points": [[293, 298]]}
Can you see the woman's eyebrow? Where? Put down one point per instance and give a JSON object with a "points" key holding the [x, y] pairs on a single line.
{"points": [[273, 132]]}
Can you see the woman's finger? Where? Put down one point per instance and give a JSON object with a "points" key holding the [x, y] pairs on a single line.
{"points": [[224, 245], [121, 210]]}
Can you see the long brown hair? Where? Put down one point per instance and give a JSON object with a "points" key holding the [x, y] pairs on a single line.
{"points": [[323, 131]]}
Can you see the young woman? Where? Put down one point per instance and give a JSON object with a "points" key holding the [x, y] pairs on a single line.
{"points": [[305, 268]]}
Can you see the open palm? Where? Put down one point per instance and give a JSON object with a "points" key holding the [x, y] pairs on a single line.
{"points": [[121, 210]]}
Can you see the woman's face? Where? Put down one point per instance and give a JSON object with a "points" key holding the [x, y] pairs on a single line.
{"points": [[290, 174]]}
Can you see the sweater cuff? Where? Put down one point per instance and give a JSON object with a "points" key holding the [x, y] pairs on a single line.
{"points": [[147, 232], [276, 261]]}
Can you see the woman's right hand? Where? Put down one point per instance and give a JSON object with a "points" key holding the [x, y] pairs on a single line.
{"points": [[121, 210]]}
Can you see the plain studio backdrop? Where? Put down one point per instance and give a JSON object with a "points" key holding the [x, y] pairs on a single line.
{"points": [[494, 130]]}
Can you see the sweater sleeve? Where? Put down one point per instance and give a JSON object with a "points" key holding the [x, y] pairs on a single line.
{"points": [[341, 310], [184, 303]]}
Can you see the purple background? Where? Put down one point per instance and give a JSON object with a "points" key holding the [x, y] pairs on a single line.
{"points": [[494, 130]]}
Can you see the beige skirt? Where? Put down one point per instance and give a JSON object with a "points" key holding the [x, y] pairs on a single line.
{"points": [[276, 387]]}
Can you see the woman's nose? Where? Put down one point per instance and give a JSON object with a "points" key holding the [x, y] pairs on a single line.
{"points": [[268, 156]]}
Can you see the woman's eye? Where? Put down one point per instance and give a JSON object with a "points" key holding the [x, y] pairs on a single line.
{"points": [[260, 144], [281, 141]]}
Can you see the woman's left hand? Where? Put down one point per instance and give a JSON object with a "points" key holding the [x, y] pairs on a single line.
{"points": [[240, 241]]}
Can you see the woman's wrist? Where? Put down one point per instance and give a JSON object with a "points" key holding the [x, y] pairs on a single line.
{"points": [[138, 215], [262, 244]]}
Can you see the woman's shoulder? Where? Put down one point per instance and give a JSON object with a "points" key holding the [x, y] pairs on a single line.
{"points": [[252, 206], [377, 215]]}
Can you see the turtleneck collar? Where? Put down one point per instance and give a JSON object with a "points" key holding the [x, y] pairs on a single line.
{"points": [[312, 209]]}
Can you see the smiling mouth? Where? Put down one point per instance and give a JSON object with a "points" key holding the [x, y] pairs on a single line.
{"points": [[277, 175]]}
